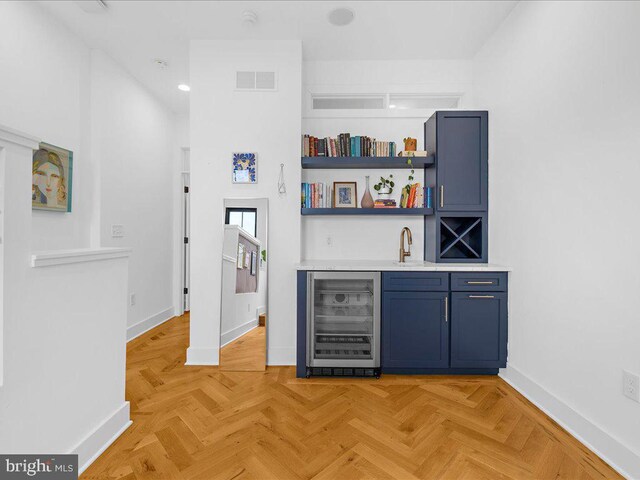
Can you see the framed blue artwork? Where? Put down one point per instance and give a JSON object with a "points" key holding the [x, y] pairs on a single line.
{"points": [[245, 168]]}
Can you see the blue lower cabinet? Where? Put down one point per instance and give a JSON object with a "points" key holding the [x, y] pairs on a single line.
{"points": [[478, 330], [415, 330]]}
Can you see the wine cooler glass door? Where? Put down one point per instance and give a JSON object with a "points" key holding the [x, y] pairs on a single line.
{"points": [[344, 319]]}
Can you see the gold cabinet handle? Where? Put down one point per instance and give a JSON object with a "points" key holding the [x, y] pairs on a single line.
{"points": [[442, 195], [479, 283], [446, 308], [482, 296]]}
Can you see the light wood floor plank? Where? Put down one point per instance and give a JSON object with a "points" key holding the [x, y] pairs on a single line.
{"points": [[207, 423]]}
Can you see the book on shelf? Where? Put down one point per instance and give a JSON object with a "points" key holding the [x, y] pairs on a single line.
{"points": [[346, 145], [384, 203], [417, 153], [416, 197], [315, 195]]}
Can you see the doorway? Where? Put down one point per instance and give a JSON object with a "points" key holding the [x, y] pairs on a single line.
{"points": [[185, 225], [244, 303]]}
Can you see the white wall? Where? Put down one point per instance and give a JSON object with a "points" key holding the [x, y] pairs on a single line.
{"points": [[44, 80], [132, 143], [64, 337], [223, 120], [372, 237], [65, 351], [560, 80]]}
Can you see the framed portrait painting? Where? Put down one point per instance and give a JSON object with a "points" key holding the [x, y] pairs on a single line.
{"points": [[52, 175], [345, 195], [245, 168]]}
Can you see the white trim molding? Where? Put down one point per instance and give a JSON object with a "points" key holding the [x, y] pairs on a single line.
{"points": [[79, 255], [9, 135], [99, 439], [235, 333], [147, 324], [203, 356], [277, 356], [610, 449]]}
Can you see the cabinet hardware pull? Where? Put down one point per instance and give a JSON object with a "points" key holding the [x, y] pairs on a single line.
{"points": [[446, 308], [479, 283], [482, 296], [441, 195]]}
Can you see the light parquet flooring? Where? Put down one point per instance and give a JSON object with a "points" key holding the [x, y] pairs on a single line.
{"points": [[203, 423], [247, 353]]}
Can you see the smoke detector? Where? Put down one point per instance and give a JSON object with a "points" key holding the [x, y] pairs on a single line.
{"points": [[249, 18], [341, 17]]}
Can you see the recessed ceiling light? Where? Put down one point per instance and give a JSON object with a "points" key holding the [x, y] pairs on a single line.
{"points": [[392, 105], [341, 17], [162, 64], [184, 87]]}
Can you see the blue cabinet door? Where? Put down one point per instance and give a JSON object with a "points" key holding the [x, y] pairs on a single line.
{"points": [[462, 161], [415, 330], [479, 329]]}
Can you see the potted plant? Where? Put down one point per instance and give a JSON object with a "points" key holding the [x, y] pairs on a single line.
{"points": [[385, 187]]}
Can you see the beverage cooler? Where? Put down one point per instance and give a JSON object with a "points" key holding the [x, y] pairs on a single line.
{"points": [[343, 324]]}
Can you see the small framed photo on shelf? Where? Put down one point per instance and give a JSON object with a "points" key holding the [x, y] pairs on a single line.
{"points": [[245, 168], [345, 195]]}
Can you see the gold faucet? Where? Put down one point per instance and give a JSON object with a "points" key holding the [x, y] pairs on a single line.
{"points": [[402, 252]]}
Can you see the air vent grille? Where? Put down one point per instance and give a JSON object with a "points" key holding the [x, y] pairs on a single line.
{"points": [[262, 81], [348, 103]]}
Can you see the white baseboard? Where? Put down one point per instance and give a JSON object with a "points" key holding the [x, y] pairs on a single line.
{"points": [[231, 335], [148, 323], [102, 436], [277, 356], [203, 356], [611, 450]]}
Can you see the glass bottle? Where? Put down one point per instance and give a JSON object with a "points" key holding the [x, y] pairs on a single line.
{"points": [[367, 199]]}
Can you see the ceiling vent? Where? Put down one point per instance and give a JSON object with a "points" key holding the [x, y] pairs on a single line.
{"points": [[346, 102], [257, 81], [92, 6]]}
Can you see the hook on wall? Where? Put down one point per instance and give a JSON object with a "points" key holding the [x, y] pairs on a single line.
{"points": [[281, 186]]}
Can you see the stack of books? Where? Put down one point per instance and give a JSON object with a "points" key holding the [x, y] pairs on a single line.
{"points": [[315, 195], [417, 153], [344, 145], [390, 203]]}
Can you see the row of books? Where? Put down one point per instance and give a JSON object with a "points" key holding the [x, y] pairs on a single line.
{"points": [[417, 197], [344, 145], [316, 195]]}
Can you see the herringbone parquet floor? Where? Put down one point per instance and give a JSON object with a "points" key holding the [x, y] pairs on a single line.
{"points": [[203, 423]]}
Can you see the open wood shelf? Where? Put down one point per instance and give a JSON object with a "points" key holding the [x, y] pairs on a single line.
{"points": [[367, 211], [366, 162]]}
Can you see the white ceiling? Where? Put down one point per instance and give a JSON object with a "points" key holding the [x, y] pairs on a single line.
{"points": [[136, 32]]}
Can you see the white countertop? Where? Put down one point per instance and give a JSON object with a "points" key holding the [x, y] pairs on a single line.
{"points": [[389, 265]]}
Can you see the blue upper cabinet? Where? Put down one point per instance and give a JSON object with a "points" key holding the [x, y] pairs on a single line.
{"points": [[459, 140], [415, 330]]}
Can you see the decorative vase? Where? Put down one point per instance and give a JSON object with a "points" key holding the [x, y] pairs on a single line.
{"points": [[367, 199]]}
